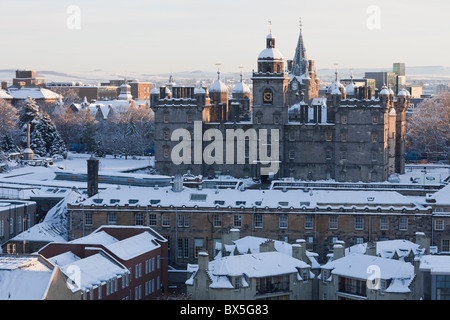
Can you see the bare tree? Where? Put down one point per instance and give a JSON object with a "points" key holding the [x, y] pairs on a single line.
{"points": [[8, 117], [428, 129]]}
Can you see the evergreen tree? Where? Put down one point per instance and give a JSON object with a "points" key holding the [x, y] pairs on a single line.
{"points": [[45, 139], [29, 113], [7, 144]]}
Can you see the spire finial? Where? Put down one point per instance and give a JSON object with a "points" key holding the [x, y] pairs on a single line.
{"points": [[270, 23], [300, 24], [241, 67], [218, 69], [336, 72]]}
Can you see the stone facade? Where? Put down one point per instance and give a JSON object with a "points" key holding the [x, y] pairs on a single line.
{"points": [[354, 137]]}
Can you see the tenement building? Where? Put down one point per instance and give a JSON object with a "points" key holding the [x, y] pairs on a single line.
{"points": [[195, 220], [281, 127]]}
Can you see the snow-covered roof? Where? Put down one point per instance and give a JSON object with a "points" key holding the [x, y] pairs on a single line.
{"points": [[100, 237], [34, 93], [441, 197], [387, 249], [251, 244], [356, 266], [5, 95], [166, 197], [436, 264], [93, 270], [241, 87], [54, 226], [218, 86], [24, 277], [256, 265], [134, 246], [271, 54]]}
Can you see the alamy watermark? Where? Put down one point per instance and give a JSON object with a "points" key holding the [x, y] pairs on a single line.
{"points": [[73, 21], [235, 140], [373, 21]]}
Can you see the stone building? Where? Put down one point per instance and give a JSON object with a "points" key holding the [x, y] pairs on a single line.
{"points": [[357, 136], [195, 220]]}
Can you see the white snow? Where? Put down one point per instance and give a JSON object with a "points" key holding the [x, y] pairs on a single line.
{"points": [[23, 278], [271, 54]]}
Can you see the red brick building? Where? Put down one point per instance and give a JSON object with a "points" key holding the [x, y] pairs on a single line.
{"points": [[115, 263]]}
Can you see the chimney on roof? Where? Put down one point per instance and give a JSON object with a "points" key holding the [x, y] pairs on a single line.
{"points": [[92, 176], [5, 85], [371, 249], [338, 251], [299, 250], [267, 246], [423, 242], [177, 183], [203, 261]]}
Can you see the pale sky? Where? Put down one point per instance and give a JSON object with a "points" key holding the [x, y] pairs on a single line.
{"points": [[160, 36]]}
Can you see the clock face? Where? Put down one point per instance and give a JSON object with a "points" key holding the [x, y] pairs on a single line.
{"points": [[294, 85], [268, 97]]}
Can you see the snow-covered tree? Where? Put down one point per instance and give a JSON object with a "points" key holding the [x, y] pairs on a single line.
{"points": [[8, 117], [28, 113], [428, 129], [7, 144], [45, 139]]}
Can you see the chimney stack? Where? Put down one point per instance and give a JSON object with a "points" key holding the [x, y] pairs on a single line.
{"points": [[5, 85], [267, 246], [371, 249], [92, 176], [203, 261], [338, 251], [423, 242]]}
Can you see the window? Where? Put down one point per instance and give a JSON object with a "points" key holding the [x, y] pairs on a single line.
{"points": [[343, 155], [166, 152], [374, 119], [374, 156], [88, 219], [240, 203], [166, 221], [445, 245], [403, 223], [291, 155], [139, 219], [152, 219], [237, 282], [112, 218], [189, 118], [374, 137], [166, 135], [283, 220], [309, 223], [186, 248], [305, 274], [344, 136], [329, 136], [344, 119], [439, 225], [359, 240], [198, 197], [359, 223], [333, 222], [155, 201], [237, 221], [166, 117], [384, 223], [198, 246], [258, 221], [217, 221], [19, 223], [310, 243]]}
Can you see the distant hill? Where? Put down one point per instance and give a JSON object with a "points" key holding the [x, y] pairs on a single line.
{"points": [[197, 76]]}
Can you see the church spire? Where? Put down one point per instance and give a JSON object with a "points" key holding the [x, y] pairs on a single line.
{"points": [[300, 59]]}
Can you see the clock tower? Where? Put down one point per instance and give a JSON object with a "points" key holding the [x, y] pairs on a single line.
{"points": [[270, 86]]}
